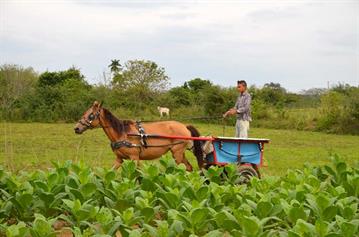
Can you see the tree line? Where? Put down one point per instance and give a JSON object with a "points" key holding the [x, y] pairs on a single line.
{"points": [[137, 87]]}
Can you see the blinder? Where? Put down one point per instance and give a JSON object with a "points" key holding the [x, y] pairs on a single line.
{"points": [[91, 118]]}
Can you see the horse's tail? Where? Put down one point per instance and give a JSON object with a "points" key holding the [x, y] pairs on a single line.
{"points": [[197, 151]]}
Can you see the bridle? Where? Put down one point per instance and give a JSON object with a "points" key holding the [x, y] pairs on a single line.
{"points": [[88, 122]]}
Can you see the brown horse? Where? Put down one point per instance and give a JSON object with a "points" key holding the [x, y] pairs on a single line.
{"points": [[135, 148]]}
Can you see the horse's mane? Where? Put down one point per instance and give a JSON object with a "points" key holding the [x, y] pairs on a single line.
{"points": [[121, 126]]}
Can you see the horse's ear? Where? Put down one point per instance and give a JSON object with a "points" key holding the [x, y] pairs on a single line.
{"points": [[95, 104]]}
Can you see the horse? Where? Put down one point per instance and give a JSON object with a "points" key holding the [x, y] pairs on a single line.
{"points": [[135, 147], [163, 110]]}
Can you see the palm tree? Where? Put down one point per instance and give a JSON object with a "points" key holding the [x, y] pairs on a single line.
{"points": [[115, 66]]}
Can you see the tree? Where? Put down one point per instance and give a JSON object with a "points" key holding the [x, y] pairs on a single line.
{"points": [[274, 86], [213, 100], [142, 73], [197, 84], [141, 81], [61, 95], [58, 78], [314, 92], [272, 93], [180, 95], [15, 82], [115, 66]]}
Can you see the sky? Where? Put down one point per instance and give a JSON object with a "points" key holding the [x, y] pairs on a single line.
{"points": [[299, 44]]}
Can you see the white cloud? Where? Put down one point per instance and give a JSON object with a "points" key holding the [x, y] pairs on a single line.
{"points": [[297, 43]]}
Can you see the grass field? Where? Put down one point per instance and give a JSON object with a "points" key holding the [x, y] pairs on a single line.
{"points": [[35, 145]]}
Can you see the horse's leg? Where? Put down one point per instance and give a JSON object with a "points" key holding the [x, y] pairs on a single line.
{"points": [[117, 163], [136, 158], [178, 154], [187, 164]]}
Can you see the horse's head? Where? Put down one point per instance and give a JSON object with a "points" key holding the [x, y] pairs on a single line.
{"points": [[90, 119]]}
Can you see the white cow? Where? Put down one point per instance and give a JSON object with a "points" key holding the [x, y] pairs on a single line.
{"points": [[163, 110]]}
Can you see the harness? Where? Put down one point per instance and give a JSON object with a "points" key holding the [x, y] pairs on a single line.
{"points": [[123, 143], [87, 122], [143, 140], [142, 133]]}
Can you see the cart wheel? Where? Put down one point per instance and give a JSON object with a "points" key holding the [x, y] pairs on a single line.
{"points": [[245, 173]]}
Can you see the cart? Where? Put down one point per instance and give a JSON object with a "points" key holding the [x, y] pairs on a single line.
{"points": [[246, 153]]}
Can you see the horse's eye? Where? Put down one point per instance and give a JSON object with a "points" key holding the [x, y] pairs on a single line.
{"points": [[91, 116]]}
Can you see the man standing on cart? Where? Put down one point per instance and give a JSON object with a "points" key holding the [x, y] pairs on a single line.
{"points": [[242, 109]]}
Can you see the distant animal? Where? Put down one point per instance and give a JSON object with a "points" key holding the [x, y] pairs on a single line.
{"points": [[163, 111], [129, 147]]}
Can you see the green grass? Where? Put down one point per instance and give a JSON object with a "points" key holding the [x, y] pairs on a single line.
{"points": [[35, 145]]}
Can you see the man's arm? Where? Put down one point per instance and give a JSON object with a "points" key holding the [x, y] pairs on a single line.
{"points": [[246, 104], [231, 111]]}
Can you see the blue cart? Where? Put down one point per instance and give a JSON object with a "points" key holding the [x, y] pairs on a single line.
{"points": [[247, 153]]}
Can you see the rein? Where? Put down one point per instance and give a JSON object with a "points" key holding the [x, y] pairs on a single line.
{"points": [[124, 143], [143, 136]]}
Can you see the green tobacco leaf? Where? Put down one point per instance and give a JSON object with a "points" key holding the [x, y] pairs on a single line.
{"points": [[341, 167], [330, 212], [58, 188], [323, 202], [152, 171], [171, 199], [18, 230], [321, 228], [263, 209], [42, 185], [148, 213], [177, 227], [162, 228], [52, 180], [47, 198], [226, 221], [72, 182], [88, 189], [135, 233], [128, 169], [41, 226], [304, 228], [189, 193], [152, 230], [69, 203], [110, 176], [250, 226], [349, 211], [296, 213], [104, 216], [311, 200], [127, 215], [333, 235], [84, 175], [215, 233], [349, 229], [199, 216], [330, 171], [25, 200], [292, 233], [184, 219], [202, 193], [74, 193]]}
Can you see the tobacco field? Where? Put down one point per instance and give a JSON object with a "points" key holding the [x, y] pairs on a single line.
{"points": [[162, 199]]}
